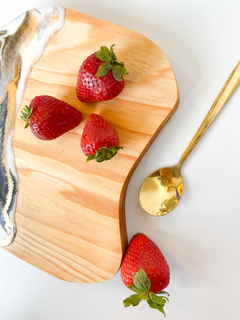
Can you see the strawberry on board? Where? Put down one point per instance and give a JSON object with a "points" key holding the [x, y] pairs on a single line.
{"points": [[145, 271], [49, 117], [100, 77], [99, 140]]}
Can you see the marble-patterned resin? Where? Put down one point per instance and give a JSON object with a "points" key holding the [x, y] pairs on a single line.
{"points": [[22, 42]]}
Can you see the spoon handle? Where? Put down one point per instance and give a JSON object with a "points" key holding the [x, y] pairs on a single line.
{"points": [[229, 87]]}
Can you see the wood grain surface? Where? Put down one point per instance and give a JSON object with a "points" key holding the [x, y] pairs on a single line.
{"points": [[71, 214]]}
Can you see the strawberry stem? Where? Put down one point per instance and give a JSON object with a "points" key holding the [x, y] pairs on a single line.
{"points": [[104, 154], [26, 115], [110, 63], [141, 285]]}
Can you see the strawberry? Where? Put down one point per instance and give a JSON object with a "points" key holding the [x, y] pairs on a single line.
{"points": [[145, 271], [100, 77], [49, 117], [99, 140]]}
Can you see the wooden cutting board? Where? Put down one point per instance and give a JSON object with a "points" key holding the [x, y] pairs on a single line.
{"points": [[70, 214]]}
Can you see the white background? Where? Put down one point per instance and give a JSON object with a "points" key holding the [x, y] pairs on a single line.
{"points": [[200, 238]]}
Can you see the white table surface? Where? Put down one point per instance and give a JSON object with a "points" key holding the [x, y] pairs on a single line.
{"points": [[200, 238]]}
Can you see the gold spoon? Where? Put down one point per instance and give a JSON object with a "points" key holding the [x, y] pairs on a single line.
{"points": [[162, 190]]}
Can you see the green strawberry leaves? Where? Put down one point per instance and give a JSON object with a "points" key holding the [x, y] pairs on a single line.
{"points": [[26, 115], [105, 54], [141, 282], [104, 154], [141, 285], [157, 302], [103, 69], [110, 63], [133, 300]]}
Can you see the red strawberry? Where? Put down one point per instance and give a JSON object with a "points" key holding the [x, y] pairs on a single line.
{"points": [[100, 77], [145, 271], [49, 117], [99, 140]]}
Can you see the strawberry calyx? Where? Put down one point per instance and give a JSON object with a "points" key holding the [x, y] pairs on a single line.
{"points": [[26, 115], [141, 285], [110, 63], [104, 154]]}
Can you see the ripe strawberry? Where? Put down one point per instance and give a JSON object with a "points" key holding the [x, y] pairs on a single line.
{"points": [[145, 271], [49, 117], [99, 140], [100, 77]]}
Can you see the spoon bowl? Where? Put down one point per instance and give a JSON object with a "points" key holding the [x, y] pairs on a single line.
{"points": [[162, 190]]}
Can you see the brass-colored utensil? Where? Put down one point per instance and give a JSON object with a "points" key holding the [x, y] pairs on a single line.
{"points": [[162, 190]]}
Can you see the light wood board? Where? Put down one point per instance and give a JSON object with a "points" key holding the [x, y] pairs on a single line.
{"points": [[71, 214]]}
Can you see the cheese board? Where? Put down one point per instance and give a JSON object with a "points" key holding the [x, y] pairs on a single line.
{"points": [[70, 215]]}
